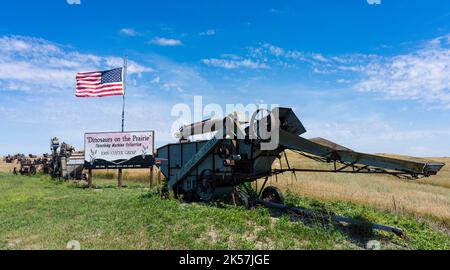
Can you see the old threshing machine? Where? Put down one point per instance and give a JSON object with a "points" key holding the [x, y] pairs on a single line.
{"points": [[223, 166], [65, 161]]}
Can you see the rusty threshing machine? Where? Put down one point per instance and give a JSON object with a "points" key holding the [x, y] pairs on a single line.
{"points": [[223, 167]]}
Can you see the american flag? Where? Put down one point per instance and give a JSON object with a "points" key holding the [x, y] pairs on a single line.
{"points": [[100, 83]]}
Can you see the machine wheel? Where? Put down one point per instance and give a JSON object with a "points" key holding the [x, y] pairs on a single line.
{"points": [[165, 193], [33, 170], [240, 199], [273, 194], [206, 185]]}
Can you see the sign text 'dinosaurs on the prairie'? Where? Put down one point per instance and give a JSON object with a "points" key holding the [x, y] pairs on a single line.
{"points": [[119, 150]]}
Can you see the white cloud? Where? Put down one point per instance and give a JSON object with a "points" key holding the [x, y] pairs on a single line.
{"points": [[33, 64], [265, 55], [276, 11], [422, 75], [230, 56], [277, 51], [284, 57], [234, 64], [319, 57], [161, 41], [156, 80], [209, 32], [343, 81], [44, 72], [175, 77], [374, 2], [375, 134], [74, 2], [129, 32], [133, 67]]}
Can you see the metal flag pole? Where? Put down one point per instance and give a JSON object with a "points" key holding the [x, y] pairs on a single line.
{"points": [[125, 67], [124, 74]]}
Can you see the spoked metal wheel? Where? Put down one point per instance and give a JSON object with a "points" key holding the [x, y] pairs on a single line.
{"points": [[206, 185], [273, 195], [240, 199]]}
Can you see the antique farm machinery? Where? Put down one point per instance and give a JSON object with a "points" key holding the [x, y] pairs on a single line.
{"points": [[205, 170], [9, 159], [223, 167], [30, 165], [65, 162]]}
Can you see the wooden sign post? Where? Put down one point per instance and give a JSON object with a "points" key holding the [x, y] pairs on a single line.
{"points": [[120, 178], [159, 180], [90, 178], [151, 177]]}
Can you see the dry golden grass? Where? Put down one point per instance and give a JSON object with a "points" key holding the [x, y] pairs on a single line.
{"points": [[7, 167], [427, 197], [442, 179], [138, 175]]}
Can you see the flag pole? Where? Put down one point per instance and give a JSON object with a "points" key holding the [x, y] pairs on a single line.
{"points": [[125, 67], [124, 74]]}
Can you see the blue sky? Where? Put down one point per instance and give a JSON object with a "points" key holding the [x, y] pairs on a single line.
{"points": [[372, 77]]}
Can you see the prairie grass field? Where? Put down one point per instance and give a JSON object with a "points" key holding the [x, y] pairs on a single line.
{"points": [[41, 213], [7, 167], [427, 197]]}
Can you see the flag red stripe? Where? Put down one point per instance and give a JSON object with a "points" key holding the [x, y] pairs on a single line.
{"points": [[95, 87], [98, 84], [90, 80], [90, 72], [99, 91], [91, 87], [105, 94], [89, 84], [90, 75]]}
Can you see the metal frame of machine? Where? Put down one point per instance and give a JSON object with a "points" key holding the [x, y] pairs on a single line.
{"points": [[66, 162], [221, 167]]}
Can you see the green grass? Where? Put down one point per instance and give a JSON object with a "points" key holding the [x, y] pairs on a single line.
{"points": [[40, 213]]}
